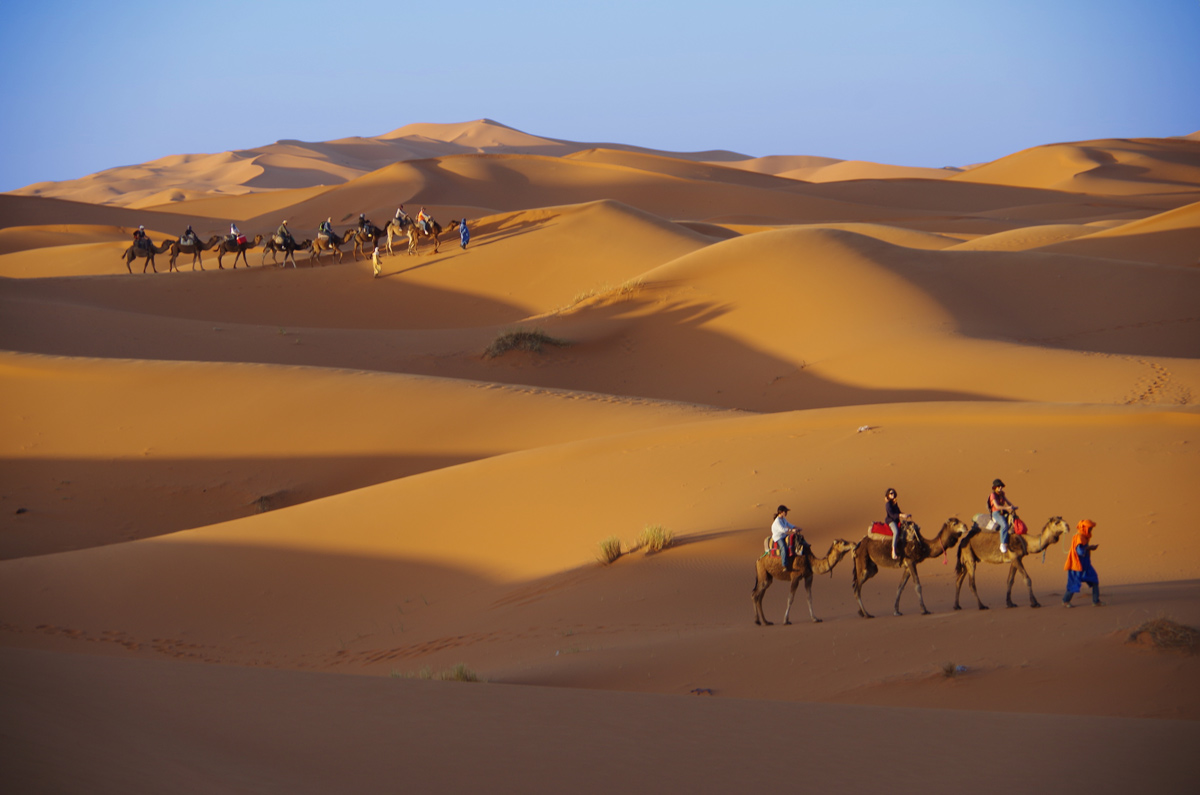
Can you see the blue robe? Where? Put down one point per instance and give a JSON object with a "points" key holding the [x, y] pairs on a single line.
{"points": [[464, 234], [1076, 579]]}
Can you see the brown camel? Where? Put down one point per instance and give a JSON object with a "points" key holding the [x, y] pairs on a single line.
{"points": [[239, 250], [415, 234], [395, 228], [870, 555], [982, 545], [803, 567], [370, 237], [334, 244], [133, 252], [178, 247], [289, 248]]}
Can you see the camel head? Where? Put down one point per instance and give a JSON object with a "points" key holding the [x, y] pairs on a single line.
{"points": [[957, 526], [1056, 526]]}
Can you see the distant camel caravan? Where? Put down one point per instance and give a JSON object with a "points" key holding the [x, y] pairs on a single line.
{"points": [[194, 248], [415, 233], [768, 568], [982, 545], [871, 554], [147, 252]]}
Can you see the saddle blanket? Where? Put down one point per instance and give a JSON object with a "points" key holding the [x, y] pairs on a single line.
{"points": [[880, 529]]}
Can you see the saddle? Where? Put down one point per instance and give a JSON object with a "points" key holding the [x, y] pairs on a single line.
{"points": [[144, 243], [323, 237]]}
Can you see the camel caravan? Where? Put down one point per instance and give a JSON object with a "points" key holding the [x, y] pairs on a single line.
{"points": [[367, 238], [998, 536]]}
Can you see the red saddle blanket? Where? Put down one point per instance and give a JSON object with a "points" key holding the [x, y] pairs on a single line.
{"points": [[879, 528], [241, 240]]}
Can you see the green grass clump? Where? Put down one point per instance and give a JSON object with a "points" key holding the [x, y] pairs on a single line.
{"points": [[610, 549], [532, 340], [459, 673], [655, 538]]}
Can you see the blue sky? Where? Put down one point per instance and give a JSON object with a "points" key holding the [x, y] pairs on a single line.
{"points": [[92, 85]]}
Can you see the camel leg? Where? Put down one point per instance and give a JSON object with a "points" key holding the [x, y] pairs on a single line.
{"points": [[1019, 563], [760, 588], [1012, 575], [971, 568], [904, 575], [860, 579], [794, 583], [808, 580], [920, 595]]}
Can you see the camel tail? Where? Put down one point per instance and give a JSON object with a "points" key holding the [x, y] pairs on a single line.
{"points": [[854, 569], [958, 564]]}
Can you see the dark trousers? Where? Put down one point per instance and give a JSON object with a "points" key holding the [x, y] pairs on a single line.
{"points": [[1095, 594]]}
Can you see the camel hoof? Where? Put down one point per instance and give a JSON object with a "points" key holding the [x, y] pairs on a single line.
{"points": [[757, 623], [897, 613], [1034, 604], [925, 612], [787, 623], [816, 621], [1011, 604], [983, 607], [956, 607]]}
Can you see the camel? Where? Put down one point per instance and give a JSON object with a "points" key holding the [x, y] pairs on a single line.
{"points": [[194, 249], [980, 545], [226, 245], [289, 249], [767, 568], [395, 228], [371, 237], [870, 555], [135, 251], [415, 234], [334, 244]]}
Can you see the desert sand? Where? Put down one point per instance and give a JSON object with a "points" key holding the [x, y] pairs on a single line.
{"points": [[249, 516]]}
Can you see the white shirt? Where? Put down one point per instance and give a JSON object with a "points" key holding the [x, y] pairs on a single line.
{"points": [[780, 528]]}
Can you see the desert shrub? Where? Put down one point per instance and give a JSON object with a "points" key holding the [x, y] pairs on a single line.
{"points": [[459, 673], [610, 549], [521, 340], [655, 538], [1163, 633]]}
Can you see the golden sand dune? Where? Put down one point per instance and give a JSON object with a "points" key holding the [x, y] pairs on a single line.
{"points": [[1107, 167], [321, 469]]}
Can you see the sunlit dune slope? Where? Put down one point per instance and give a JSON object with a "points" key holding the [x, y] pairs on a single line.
{"points": [[256, 438], [1110, 166]]}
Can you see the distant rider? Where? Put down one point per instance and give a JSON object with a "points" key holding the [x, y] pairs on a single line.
{"points": [[140, 238], [284, 235], [423, 219], [1002, 511], [785, 535], [326, 228], [894, 517]]}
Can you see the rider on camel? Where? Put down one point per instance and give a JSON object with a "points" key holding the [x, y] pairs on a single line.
{"points": [[786, 535], [141, 239], [423, 219], [189, 237], [284, 235], [326, 228], [364, 225]]}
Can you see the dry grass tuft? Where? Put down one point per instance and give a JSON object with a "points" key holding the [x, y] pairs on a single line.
{"points": [[610, 549], [655, 538], [521, 340], [1168, 635]]}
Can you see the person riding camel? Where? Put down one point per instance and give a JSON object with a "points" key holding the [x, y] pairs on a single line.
{"points": [[1002, 511], [893, 519], [285, 236], [326, 228], [189, 237], [364, 225], [786, 536], [234, 234], [423, 219], [141, 239], [401, 217]]}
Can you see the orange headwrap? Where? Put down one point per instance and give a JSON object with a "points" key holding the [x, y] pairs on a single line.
{"points": [[1083, 537]]}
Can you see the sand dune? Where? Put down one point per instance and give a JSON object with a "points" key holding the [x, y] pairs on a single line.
{"points": [[330, 478]]}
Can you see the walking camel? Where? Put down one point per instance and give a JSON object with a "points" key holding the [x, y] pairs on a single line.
{"points": [[288, 247], [980, 545], [870, 555], [179, 247], [370, 237], [767, 569], [135, 251], [334, 244], [239, 249], [415, 234]]}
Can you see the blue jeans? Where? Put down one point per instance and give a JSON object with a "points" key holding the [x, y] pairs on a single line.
{"points": [[1001, 520]]}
